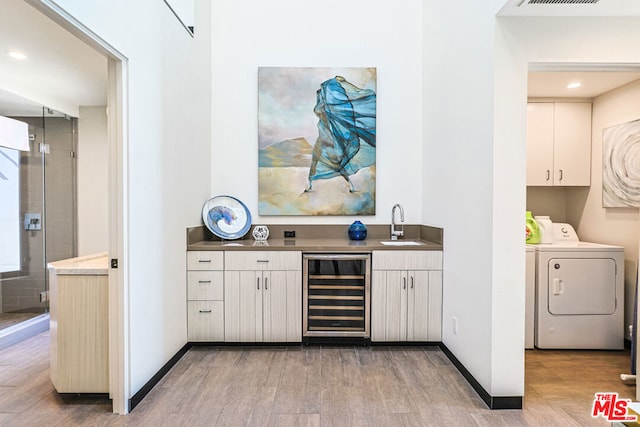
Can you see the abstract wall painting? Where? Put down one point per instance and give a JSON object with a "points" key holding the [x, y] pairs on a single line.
{"points": [[316, 141], [621, 165]]}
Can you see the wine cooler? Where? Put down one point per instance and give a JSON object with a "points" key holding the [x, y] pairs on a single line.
{"points": [[336, 292]]}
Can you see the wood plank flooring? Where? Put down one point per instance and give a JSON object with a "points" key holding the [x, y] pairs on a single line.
{"points": [[316, 386]]}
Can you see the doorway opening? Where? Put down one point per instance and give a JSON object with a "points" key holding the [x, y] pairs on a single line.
{"points": [[81, 50], [607, 88]]}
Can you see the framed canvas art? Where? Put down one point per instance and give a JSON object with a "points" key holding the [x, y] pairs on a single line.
{"points": [[316, 141], [621, 165]]}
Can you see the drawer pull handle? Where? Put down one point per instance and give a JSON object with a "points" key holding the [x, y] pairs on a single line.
{"points": [[263, 260], [205, 311], [204, 281], [204, 260]]}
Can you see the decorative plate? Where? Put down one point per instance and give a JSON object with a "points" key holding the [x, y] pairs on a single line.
{"points": [[226, 217]]}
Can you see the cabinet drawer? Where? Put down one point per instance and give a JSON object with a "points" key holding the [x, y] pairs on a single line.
{"points": [[205, 260], [406, 260], [205, 285], [263, 260], [205, 321]]}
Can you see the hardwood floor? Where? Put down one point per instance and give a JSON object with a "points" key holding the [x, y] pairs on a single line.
{"points": [[316, 386]]}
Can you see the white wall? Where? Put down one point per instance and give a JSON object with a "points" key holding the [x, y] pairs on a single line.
{"points": [[168, 167], [461, 163], [550, 201], [92, 180], [248, 34]]}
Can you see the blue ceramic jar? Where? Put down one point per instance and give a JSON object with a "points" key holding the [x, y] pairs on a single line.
{"points": [[357, 231]]}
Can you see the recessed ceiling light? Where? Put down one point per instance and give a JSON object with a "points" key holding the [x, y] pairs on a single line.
{"points": [[574, 85], [17, 55]]}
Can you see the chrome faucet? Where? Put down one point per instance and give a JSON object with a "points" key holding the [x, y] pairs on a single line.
{"points": [[394, 232]]}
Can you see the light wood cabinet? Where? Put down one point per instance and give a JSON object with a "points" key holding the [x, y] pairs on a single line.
{"points": [[406, 296], [559, 144], [205, 296], [263, 296], [79, 325]]}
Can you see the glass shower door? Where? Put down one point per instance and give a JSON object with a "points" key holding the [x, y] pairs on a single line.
{"points": [[24, 283], [46, 219], [60, 137]]}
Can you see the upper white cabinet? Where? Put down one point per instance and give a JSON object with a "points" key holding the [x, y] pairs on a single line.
{"points": [[406, 296], [559, 144], [263, 296]]}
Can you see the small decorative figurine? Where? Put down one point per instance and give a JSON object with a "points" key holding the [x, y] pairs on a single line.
{"points": [[260, 233]]}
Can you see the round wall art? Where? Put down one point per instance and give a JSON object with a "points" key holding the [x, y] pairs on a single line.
{"points": [[226, 217]]}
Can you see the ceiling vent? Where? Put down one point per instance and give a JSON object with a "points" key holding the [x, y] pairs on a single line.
{"points": [[527, 2]]}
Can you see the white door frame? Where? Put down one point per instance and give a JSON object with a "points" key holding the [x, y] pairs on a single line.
{"points": [[119, 384]]}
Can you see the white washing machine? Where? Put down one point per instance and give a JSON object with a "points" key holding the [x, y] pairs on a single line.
{"points": [[579, 293]]}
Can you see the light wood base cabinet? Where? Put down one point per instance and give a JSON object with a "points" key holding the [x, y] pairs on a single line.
{"points": [[263, 296], [406, 296], [205, 296], [79, 330]]}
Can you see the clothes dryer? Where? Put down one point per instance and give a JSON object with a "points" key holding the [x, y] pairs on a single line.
{"points": [[579, 293]]}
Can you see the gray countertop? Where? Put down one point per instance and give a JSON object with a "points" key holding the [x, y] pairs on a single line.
{"points": [[313, 245], [319, 238]]}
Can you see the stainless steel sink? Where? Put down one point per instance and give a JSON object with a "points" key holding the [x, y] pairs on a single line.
{"points": [[401, 243]]}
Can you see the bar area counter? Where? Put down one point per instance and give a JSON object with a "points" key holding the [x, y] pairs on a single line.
{"points": [[78, 292], [320, 238]]}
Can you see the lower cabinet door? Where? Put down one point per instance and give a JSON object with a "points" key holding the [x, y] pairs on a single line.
{"points": [[396, 316], [243, 306], [282, 306], [205, 321], [378, 305], [418, 306], [406, 305], [435, 306], [389, 305], [274, 303]]}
